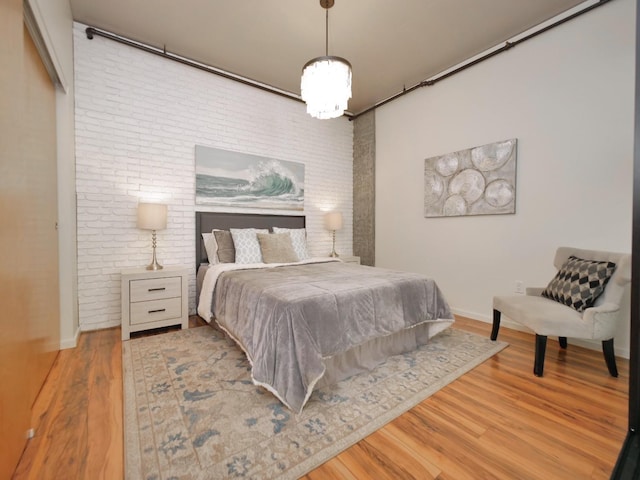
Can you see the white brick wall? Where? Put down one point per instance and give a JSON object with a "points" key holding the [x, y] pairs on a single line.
{"points": [[138, 119]]}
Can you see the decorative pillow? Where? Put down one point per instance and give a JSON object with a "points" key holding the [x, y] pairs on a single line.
{"points": [[226, 250], [211, 246], [579, 282], [276, 248], [298, 240], [245, 241]]}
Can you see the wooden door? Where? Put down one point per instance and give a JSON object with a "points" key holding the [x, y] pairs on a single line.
{"points": [[29, 293], [39, 228]]}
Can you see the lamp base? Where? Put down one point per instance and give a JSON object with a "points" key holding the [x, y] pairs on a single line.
{"points": [[333, 253], [154, 265]]}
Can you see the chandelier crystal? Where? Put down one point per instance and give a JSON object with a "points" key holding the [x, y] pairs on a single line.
{"points": [[325, 85]]}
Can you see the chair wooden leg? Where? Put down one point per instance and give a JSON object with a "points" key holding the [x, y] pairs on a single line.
{"points": [[563, 342], [541, 348], [610, 357], [496, 324]]}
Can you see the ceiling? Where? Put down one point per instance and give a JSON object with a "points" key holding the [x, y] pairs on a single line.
{"points": [[390, 44]]}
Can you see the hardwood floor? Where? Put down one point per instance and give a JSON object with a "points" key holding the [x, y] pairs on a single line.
{"points": [[496, 422]]}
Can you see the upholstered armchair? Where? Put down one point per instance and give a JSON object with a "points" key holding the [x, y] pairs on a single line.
{"points": [[568, 308]]}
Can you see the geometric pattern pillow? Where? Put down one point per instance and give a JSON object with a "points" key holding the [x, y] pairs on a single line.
{"points": [[298, 240], [246, 243], [579, 282]]}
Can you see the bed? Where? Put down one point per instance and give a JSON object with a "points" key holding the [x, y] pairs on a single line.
{"points": [[314, 321]]}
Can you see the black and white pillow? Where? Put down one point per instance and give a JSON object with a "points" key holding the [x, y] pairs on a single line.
{"points": [[579, 282]]}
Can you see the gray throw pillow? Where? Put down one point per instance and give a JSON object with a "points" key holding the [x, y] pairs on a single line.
{"points": [[298, 240], [277, 248], [226, 249], [579, 282]]}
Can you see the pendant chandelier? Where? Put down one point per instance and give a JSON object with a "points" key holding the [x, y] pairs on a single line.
{"points": [[326, 81]]}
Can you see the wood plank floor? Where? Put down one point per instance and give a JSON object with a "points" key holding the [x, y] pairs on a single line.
{"points": [[496, 422]]}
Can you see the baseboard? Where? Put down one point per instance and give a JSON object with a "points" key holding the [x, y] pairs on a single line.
{"points": [[99, 326], [70, 342], [505, 322], [471, 315]]}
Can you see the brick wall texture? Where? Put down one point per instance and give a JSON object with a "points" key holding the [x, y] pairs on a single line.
{"points": [[138, 119]]}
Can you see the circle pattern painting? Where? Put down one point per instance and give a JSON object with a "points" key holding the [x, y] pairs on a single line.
{"points": [[455, 205], [447, 164], [476, 181], [499, 193], [435, 187], [469, 184]]}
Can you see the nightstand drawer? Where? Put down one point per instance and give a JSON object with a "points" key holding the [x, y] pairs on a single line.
{"points": [[155, 288], [155, 310]]}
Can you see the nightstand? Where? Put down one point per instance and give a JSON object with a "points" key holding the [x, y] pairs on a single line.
{"points": [[154, 298], [350, 259]]}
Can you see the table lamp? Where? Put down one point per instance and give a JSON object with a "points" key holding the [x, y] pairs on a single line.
{"points": [[152, 216], [333, 222]]}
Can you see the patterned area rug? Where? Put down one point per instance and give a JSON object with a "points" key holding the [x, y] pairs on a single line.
{"points": [[192, 412]]}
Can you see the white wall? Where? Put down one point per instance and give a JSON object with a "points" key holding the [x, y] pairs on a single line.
{"points": [[138, 119], [55, 22], [567, 96]]}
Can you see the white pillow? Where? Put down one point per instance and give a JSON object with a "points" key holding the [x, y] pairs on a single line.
{"points": [[298, 240], [211, 246], [245, 240], [207, 239]]}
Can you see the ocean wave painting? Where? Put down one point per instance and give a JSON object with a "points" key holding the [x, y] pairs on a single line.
{"points": [[241, 180]]}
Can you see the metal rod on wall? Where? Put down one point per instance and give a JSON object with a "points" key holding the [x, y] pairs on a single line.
{"points": [[91, 31], [506, 46]]}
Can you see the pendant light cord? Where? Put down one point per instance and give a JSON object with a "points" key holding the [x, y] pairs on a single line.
{"points": [[326, 33]]}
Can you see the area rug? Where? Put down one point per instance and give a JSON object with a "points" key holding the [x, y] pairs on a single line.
{"points": [[192, 412]]}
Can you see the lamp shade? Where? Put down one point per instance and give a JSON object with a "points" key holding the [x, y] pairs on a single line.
{"points": [[326, 86], [333, 221], [152, 216]]}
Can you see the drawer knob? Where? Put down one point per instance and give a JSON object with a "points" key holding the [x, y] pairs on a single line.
{"points": [[157, 289], [157, 311]]}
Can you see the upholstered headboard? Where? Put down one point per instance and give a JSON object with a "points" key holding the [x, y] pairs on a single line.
{"points": [[207, 221]]}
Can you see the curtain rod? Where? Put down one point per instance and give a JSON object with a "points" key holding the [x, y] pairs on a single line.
{"points": [[505, 47]]}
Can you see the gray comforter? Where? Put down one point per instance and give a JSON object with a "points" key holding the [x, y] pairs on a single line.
{"points": [[287, 319]]}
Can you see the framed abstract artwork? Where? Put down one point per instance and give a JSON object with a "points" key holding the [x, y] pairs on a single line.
{"points": [[475, 181], [234, 179]]}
